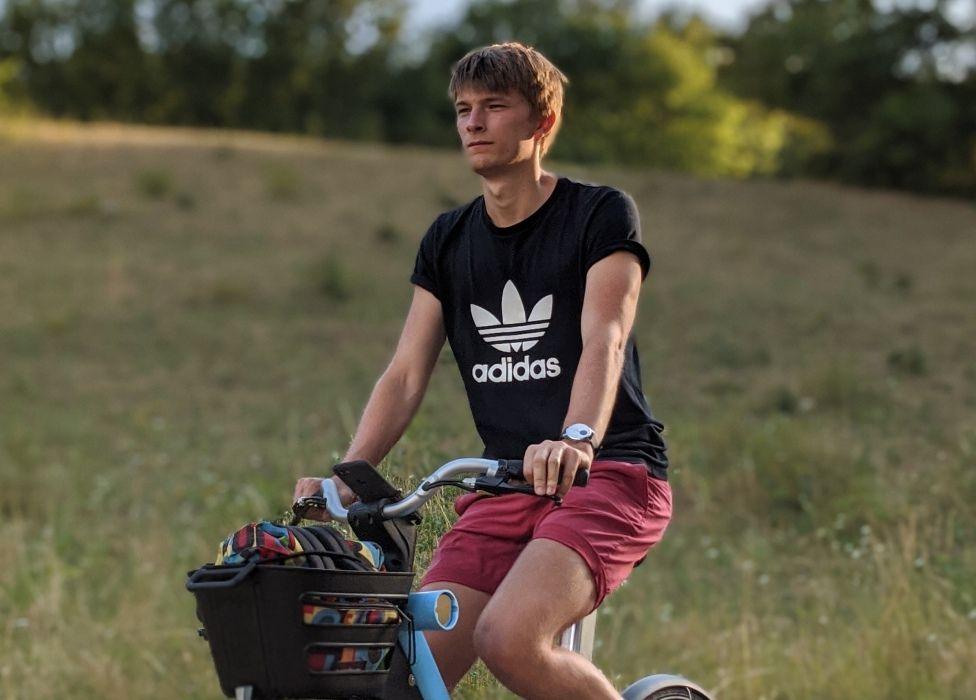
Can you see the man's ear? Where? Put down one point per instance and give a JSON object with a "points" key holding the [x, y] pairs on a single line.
{"points": [[545, 126]]}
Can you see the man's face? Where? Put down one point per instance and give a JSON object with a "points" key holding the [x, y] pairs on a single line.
{"points": [[496, 129]]}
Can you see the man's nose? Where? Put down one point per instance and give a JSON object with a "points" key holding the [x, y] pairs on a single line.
{"points": [[475, 123]]}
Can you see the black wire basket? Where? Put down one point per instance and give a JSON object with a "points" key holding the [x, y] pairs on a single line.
{"points": [[297, 632]]}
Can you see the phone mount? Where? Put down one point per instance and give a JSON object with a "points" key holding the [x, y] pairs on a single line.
{"points": [[397, 537]]}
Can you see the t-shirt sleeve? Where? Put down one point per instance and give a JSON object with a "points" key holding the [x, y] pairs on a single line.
{"points": [[615, 225], [425, 267]]}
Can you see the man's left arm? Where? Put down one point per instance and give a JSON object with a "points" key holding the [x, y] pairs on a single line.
{"points": [[609, 305]]}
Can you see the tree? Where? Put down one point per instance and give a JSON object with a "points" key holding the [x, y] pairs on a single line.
{"points": [[874, 78]]}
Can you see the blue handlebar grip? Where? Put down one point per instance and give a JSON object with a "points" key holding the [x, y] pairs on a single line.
{"points": [[433, 610]]}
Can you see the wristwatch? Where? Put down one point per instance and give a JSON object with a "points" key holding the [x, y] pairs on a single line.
{"points": [[580, 432]]}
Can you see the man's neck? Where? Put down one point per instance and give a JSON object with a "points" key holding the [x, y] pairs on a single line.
{"points": [[515, 195]]}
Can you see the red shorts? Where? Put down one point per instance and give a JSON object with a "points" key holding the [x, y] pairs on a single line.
{"points": [[610, 523]]}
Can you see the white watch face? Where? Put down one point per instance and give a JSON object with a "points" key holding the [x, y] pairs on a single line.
{"points": [[579, 431]]}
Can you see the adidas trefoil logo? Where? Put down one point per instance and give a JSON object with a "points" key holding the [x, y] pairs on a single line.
{"points": [[514, 332]]}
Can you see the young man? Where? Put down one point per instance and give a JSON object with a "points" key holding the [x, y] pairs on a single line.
{"points": [[535, 285]]}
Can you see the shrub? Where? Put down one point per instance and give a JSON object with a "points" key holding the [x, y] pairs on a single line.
{"points": [[388, 234], [332, 279], [840, 388], [722, 350], [13, 93], [154, 183], [186, 200], [782, 399], [903, 283], [908, 361]]}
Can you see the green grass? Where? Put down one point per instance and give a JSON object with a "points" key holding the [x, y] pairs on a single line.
{"points": [[176, 349]]}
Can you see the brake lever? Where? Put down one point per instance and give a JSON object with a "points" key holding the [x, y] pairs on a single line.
{"points": [[304, 504], [499, 485]]}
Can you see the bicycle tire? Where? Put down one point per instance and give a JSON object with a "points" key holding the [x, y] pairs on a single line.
{"points": [[676, 693], [664, 686]]}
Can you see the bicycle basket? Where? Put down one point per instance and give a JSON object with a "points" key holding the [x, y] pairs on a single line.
{"points": [[308, 631]]}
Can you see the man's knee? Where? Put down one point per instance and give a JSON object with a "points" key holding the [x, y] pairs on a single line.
{"points": [[506, 645]]}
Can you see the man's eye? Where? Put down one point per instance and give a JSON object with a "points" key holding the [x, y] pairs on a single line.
{"points": [[462, 112], [496, 106]]}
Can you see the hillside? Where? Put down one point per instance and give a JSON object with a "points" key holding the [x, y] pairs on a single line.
{"points": [[189, 320]]}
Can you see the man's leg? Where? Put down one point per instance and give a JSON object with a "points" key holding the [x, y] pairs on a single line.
{"points": [[548, 588], [453, 650]]}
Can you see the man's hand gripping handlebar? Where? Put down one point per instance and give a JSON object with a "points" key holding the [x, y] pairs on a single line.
{"points": [[495, 477]]}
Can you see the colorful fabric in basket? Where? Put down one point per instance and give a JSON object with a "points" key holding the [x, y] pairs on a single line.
{"points": [[348, 611], [267, 540], [369, 552], [341, 615], [332, 659], [263, 539]]}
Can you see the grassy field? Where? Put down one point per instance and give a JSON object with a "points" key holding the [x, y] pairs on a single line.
{"points": [[189, 320]]}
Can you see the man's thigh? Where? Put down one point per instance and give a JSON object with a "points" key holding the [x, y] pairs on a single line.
{"points": [[549, 588]]}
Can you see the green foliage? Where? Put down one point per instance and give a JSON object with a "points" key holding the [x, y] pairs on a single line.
{"points": [[782, 399], [784, 475], [840, 388], [876, 79], [222, 292], [186, 200], [642, 94], [909, 361], [13, 99], [388, 234], [154, 183], [720, 349], [903, 283], [332, 278], [835, 88]]}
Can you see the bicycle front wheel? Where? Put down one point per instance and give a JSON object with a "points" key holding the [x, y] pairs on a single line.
{"points": [[664, 687]]}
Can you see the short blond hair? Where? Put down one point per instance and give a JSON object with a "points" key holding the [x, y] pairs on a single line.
{"points": [[514, 67]]}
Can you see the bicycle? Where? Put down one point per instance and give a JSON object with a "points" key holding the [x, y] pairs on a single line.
{"points": [[248, 610]]}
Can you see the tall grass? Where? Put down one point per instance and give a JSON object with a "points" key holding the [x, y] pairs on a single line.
{"points": [[168, 368]]}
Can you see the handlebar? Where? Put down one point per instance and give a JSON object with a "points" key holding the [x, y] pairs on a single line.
{"points": [[488, 475], [514, 468]]}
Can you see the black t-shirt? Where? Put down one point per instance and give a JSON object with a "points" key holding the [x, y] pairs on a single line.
{"points": [[512, 300]]}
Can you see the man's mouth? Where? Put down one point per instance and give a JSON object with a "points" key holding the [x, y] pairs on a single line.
{"points": [[479, 143]]}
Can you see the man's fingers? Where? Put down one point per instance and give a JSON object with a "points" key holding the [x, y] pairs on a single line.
{"points": [[307, 486], [527, 470], [540, 463], [552, 467], [310, 486], [571, 462]]}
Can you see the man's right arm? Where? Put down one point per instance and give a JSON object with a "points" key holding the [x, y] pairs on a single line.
{"points": [[398, 392]]}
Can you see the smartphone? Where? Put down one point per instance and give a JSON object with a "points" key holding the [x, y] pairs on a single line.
{"points": [[365, 481]]}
